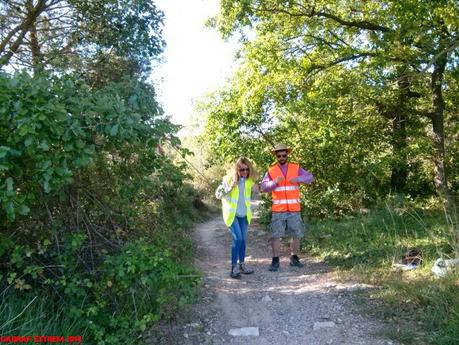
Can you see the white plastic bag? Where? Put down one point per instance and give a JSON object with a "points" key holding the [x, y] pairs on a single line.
{"points": [[441, 267]]}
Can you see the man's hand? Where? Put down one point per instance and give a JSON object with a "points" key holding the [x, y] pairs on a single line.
{"points": [[279, 179]]}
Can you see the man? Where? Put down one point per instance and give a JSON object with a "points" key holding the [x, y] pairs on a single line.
{"points": [[283, 180]]}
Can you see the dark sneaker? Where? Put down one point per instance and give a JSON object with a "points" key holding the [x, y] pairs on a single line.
{"points": [[244, 269], [235, 273], [274, 267], [295, 261]]}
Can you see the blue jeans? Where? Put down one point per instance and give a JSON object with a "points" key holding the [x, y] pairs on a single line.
{"points": [[239, 233]]}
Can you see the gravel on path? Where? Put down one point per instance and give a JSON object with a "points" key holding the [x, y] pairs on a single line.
{"points": [[293, 306]]}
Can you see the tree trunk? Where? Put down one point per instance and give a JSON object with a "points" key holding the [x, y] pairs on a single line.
{"points": [[438, 105], [399, 139], [34, 45]]}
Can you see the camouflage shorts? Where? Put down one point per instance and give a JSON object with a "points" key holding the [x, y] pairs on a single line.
{"points": [[287, 223]]}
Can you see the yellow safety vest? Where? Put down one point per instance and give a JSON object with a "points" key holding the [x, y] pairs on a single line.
{"points": [[229, 203]]}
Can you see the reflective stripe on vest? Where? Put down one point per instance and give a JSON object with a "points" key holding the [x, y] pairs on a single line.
{"points": [[231, 200], [286, 201], [286, 196], [279, 189], [229, 203]]}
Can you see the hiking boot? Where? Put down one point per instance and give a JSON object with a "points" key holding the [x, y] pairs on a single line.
{"points": [[274, 267], [295, 261], [235, 273], [244, 269]]}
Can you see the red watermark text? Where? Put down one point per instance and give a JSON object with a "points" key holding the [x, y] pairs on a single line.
{"points": [[18, 339]]}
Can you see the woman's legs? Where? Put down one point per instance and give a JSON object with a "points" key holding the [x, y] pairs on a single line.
{"points": [[239, 233], [237, 241], [243, 225]]}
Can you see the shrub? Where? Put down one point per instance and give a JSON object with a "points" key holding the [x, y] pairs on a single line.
{"points": [[93, 219]]}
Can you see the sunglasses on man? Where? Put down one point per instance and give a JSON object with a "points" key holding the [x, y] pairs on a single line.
{"points": [[281, 155]]}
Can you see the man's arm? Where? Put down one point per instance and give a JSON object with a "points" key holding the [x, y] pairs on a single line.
{"points": [[304, 176]]}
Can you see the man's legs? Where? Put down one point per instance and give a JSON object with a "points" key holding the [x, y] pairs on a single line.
{"points": [[296, 228], [275, 245], [294, 246], [277, 231], [294, 249]]}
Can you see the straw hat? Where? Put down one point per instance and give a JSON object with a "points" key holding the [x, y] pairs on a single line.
{"points": [[281, 147]]}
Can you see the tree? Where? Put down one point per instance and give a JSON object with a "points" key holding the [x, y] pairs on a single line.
{"points": [[411, 44], [77, 35]]}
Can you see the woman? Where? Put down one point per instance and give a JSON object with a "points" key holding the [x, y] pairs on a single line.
{"points": [[235, 193]]}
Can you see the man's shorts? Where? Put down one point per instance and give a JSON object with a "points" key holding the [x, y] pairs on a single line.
{"points": [[289, 223]]}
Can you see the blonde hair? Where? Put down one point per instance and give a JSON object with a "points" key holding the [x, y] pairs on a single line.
{"points": [[233, 175]]}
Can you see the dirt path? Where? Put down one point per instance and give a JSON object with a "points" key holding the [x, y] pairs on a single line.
{"points": [[292, 306]]}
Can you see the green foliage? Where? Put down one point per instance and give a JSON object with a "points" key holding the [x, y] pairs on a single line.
{"points": [[435, 302], [365, 93], [34, 313], [136, 283], [140, 285], [93, 219], [347, 86], [96, 36], [206, 175], [93, 216], [130, 27], [42, 136], [381, 237], [52, 127], [367, 245], [132, 289], [334, 136]]}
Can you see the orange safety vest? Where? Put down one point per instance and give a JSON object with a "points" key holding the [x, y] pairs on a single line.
{"points": [[286, 196]]}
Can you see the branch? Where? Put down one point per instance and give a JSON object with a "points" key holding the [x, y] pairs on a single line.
{"points": [[264, 136], [343, 59], [9, 36], [54, 2], [453, 46], [387, 111], [356, 24], [338, 38], [428, 114], [24, 28], [362, 24]]}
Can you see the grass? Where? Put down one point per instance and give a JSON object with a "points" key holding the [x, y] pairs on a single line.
{"points": [[364, 247], [28, 314]]}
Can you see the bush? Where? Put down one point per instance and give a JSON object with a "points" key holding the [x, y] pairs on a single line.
{"points": [[93, 218]]}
